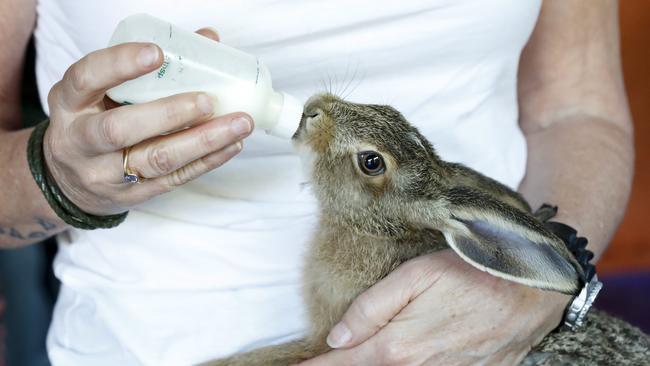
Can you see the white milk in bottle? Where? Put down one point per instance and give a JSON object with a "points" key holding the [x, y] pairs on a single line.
{"points": [[192, 62]]}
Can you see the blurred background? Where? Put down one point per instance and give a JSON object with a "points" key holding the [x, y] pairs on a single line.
{"points": [[26, 305], [625, 267]]}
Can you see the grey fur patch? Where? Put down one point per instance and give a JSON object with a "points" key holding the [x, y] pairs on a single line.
{"points": [[604, 340]]}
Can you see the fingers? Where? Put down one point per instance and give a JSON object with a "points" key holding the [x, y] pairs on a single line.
{"points": [[360, 355], [188, 172], [209, 32], [128, 125], [167, 154], [86, 81], [375, 307]]}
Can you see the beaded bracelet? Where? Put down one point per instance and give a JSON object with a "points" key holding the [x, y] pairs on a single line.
{"points": [[62, 206]]}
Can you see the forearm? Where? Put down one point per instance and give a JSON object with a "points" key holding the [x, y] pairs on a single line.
{"points": [[584, 165], [25, 216], [573, 111]]}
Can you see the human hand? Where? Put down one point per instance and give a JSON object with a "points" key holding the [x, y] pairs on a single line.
{"points": [[84, 142], [438, 310]]}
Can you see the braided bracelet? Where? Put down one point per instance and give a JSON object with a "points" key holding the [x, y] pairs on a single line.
{"points": [[62, 206]]}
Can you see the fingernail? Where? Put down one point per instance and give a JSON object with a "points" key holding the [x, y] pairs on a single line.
{"points": [[213, 30], [234, 148], [339, 336], [205, 104], [241, 125], [148, 56]]}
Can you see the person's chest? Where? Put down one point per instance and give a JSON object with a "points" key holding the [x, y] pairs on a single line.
{"points": [[302, 40], [442, 63]]}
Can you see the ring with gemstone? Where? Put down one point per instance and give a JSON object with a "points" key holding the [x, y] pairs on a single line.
{"points": [[130, 176]]}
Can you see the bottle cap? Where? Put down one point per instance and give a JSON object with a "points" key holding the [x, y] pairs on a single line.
{"points": [[289, 119]]}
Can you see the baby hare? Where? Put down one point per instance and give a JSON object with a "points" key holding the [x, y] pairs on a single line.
{"points": [[385, 197]]}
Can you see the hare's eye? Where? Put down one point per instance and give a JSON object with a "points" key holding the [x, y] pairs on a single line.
{"points": [[371, 163]]}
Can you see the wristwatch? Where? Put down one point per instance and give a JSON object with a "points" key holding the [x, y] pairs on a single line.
{"points": [[576, 312]]}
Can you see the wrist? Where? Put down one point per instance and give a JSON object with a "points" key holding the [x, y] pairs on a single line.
{"points": [[62, 174], [67, 210], [549, 309], [553, 305], [55, 170]]}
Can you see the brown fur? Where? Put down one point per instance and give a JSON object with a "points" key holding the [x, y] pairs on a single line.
{"points": [[370, 225]]}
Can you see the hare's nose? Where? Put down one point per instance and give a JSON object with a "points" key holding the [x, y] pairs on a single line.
{"points": [[317, 104], [313, 113], [312, 110]]}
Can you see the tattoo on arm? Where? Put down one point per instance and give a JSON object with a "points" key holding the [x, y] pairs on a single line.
{"points": [[13, 232], [46, 225]]}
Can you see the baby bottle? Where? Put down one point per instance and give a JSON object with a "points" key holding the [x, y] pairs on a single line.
{"points": [[239, 81]]}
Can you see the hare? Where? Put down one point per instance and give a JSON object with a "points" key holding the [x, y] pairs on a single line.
{"points": [[386, 197]]}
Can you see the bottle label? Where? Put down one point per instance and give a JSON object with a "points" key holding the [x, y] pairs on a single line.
{"points": [[163, 67]]}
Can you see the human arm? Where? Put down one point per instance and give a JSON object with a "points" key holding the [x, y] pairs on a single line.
{"points": [[438, 310], [84, 141], [25, 216], [576, 122]]}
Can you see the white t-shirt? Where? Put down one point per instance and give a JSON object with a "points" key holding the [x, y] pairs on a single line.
{"points": [[214, 267]]}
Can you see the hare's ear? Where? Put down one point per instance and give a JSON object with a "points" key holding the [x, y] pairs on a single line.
{"points": [[507, 242]]}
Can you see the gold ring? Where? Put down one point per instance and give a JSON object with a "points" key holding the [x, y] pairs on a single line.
{"points": [[130, 176]]}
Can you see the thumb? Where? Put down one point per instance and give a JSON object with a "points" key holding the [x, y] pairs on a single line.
{"points": [[376, 306]]}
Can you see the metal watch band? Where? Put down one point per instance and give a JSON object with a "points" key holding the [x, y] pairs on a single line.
{"points": [[576, 312]]}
